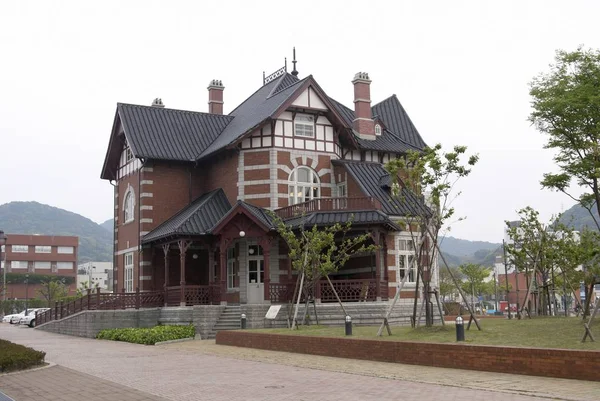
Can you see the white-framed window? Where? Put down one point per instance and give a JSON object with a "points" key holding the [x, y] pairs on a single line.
{"points": [[43, 249], [341, 191], [129, 205], [20, 248], [65, 249], [256, 264], [129, 272], [406, 260], [128, 154], [231, 269], [64, 265], [303, 185], [18, 264], [377, 129], [41, 265], [304, 126]]}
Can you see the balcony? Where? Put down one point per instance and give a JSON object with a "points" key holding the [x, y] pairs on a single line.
{"points": [[329, 205]]}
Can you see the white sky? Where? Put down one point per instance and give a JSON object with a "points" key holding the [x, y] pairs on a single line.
{"points": [[460, 68]]}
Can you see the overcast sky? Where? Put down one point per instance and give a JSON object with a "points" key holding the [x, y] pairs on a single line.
{"points": [[460, 68]]}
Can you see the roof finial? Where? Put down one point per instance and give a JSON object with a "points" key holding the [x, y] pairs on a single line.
{"points": [[294, 72], [285, 64]]}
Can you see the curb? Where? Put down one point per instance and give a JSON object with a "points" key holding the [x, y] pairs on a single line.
{"points": [[46, 366], [175, 341]]}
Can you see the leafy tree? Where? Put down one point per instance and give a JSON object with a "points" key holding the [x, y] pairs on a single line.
{"points": [[475, 279], [446, 284], [318, 252], [566, 107], [434, 173], [52, 291]]}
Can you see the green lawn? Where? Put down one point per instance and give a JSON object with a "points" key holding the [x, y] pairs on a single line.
{"points": [[550, 332]]}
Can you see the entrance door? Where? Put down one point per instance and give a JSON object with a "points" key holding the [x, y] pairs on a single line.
{"points": [[256, 277]]}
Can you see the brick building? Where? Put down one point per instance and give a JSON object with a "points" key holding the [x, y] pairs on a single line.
{"points": [[192, 191], [37, 255]]}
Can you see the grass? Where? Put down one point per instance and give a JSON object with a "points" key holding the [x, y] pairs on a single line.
{"points": [[550, 332]]}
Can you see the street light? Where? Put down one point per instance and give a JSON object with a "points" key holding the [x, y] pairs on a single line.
{"points": [[26, 292], [3, 239]]}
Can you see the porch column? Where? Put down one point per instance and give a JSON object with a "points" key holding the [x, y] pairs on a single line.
{"points": [[166, 252], [183, 247], [266, 246], [223, 267], [211, 264], [378, 265]]}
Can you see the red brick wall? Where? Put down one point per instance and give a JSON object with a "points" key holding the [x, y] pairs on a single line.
{"points": [[568, 364], [221, 172]]}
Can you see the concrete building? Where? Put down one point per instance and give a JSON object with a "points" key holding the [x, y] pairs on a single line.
{"points": [[95, 274]]}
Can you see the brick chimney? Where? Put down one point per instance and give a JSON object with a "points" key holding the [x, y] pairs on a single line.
{"points": [[215, 97], [363, 123]]}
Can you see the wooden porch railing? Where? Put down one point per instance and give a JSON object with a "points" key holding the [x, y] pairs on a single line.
{"points": [[347, 290], [194, 295], [329, 205]]}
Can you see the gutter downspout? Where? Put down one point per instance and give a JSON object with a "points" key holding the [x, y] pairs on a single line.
{"points": [[115, 235], [139, 221]]}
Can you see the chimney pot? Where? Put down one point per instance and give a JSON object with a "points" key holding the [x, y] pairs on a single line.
{"points": [[363, 122], [215, 96], [158, 103]]}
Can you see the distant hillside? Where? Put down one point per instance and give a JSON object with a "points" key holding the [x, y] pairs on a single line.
{"points": [[108, 225], [578, 217], [95, 242], [459, 251]]}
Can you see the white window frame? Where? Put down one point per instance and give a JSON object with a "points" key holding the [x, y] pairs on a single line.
{"points": [[297, 190], [129, 206], [20, 264], [406, 256], [38, 264], [303, 123], [377, 129], [66, 250], [20, 249], [128, 272], [43, 249], [64, 265], [342, 190], [231, 269]]}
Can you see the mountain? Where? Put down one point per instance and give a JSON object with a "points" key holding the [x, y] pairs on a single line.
{"points": [[579, 218], [95, 242], [459, 251], [108, 225]]}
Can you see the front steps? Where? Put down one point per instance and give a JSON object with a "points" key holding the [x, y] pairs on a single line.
{"points": [[230, 319]]}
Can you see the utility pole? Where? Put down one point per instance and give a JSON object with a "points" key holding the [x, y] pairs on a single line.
{"points": [[506, 278], [495, 291]]}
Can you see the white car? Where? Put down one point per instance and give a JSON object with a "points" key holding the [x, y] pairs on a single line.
{"points": [[29, 320], [8, 318], [15, 319]]}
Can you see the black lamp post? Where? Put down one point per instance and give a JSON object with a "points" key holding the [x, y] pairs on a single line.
{"points": [[26, 293], [3, 239]]}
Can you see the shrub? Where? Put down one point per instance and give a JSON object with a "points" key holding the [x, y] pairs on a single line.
{"points": [[149, 336], [16, 357]]}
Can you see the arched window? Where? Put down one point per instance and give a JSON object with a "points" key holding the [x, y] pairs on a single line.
{"points": [[303, 185], [377, 129], [129, 206]]}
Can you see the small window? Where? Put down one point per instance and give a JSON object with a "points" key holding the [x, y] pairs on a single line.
{"points": [[43, 249], [377, 129], [16, 264], [64, 265], [231, 269], [129, 272], [304, 126], [20, 248], [65, 249], [128, 154], [341, 191], [41, 265], [129, 206]]}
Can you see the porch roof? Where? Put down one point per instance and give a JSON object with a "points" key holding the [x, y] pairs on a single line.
{"points": [[196, 219], [359, 219]]}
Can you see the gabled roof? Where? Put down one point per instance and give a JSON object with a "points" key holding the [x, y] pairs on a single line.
{"points": [[196, 219], [375, 181], [359, 218], [258, 214], [399, 134], [169, 134]]}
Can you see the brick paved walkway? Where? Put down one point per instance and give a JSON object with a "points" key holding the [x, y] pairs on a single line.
{"points": [[202, 370]]}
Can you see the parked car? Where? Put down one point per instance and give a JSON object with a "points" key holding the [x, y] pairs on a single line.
{"points": [[7, 318], [29, 320], [15, 319]]}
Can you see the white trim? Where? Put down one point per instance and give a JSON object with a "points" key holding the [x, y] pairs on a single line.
{"points": [[240, 170], [146, 207], [324, 171], [147, 169], [145, 278], [257, 167], [285, 168], [257, 196], [124, 251], [146, 221], [146, 182], [145, 263], [146, 195]]}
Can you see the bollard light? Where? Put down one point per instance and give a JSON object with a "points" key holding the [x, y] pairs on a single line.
{"points": [[243, 320], [348, 326], [460, 329]]}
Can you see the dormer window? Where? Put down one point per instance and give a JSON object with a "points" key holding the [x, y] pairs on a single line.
{"points": [[128, 154], [304, 125], [377, 129]]}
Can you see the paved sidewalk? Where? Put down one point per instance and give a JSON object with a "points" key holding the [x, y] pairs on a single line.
{"points": [[202, 370], [57, 383]]}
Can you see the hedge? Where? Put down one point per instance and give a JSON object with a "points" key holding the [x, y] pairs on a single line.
{"points": [[17, 357], [19, 278], [148, 336], [11, 306]]}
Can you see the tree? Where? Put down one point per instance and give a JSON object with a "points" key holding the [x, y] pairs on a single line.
{"points": [[566, 107], [475, 280], [318, 252], [53, 290], [433, 173], [446, 284]]}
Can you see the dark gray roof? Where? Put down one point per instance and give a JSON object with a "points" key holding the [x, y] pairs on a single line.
{"points": [[253, 111], [359, 218], [400, 134], [169, 134], [261, 214], [375, 181], [284, 82], [196, 219]]}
